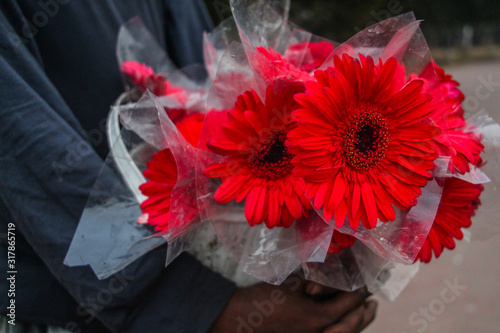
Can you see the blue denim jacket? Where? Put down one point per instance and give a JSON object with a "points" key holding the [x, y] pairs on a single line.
{"points": [[58, 78]]}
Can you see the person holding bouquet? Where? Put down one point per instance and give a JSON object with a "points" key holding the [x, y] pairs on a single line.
{"points": [[59, 77]]}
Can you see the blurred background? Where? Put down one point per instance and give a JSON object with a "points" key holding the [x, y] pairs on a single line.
{"points": [[456, 30], [460, 291]]}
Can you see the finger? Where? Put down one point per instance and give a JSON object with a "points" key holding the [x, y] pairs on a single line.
{"points": [[294, 283], [355, 321], [313, 289], [344, 303]]}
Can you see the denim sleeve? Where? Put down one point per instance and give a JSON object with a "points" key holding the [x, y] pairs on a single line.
{"points": [[47, 170]]}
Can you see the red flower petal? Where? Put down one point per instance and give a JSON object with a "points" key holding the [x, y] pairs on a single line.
{"points": [[363, 121], [459, 202], [253, 143]]}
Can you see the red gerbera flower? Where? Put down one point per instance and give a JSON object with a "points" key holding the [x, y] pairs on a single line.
{"points": [[280, 73], [144, 78], [258, 166], [308, 56], [458, 204], [462, 145], [340, 241], [360, 144], [138, 73], [162, 174], [190, 127]]}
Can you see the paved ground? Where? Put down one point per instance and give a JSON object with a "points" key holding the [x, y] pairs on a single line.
{"points": [[429, 304]]}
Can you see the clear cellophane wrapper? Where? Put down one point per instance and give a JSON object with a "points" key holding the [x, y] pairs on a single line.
{"points": [[108, 237]]}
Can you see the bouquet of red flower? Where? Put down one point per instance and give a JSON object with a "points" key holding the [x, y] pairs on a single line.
{"points": [[295, 152]]}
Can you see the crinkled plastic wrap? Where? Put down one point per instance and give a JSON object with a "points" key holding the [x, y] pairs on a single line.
{"points": [[108, 236], [358, 266], [489, 175], [148, 119], [270, 255], [261, 22], [234, 76], [400, 240], [273, 254], [265, 24], [136, 43], [395, 242], [399, 37], [216, 43]]}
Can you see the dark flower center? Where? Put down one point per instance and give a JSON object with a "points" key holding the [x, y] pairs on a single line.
{"points": [[365, 140], [271, 159], [367, 136], [276, 153]]}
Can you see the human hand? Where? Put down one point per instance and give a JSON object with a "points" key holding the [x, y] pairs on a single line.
{"points": [[265, 308], [355, 318]]}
